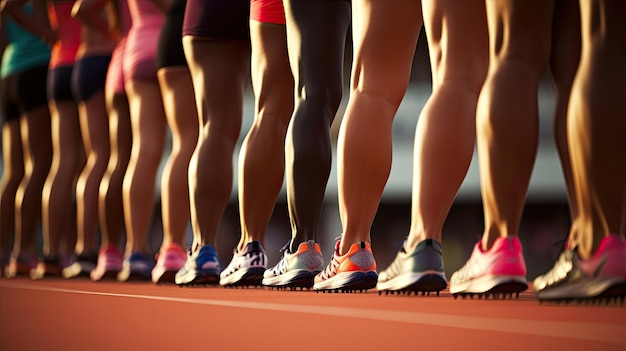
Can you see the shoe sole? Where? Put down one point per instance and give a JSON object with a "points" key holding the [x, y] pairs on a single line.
{"points": [[426, 284], [349, 282], [208, 277], [491, 283], [251, 277], [501, 291], [608, 290], [300, 279]]}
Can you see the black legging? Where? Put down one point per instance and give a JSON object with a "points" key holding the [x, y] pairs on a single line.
{"points": [[316, 33]]}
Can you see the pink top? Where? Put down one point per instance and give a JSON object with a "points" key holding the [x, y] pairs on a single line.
{"points": [[115, 74], [67, 30]]}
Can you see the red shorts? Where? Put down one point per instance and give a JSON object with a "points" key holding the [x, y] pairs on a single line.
{"points": [[267, 11]]}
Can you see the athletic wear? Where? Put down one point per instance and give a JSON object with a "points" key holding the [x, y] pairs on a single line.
{"points": [[89, 77], [246, 268], [226, 19], [68, 33], [24, 49], [21, 266], [298, 269], [139, 62], [115, 74], [603, 275], [169, 261], [23, 91], [201, 267], [136, 267], [356, 270], [109, 264], [418, 271], [60, 83], [501, 269], [82, 266], [267, 11], [170, 51], [51, 267], [24, 70]]}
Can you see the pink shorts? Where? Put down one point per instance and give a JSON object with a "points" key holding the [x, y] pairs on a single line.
{"points": [[267, 11], [115, 74]]}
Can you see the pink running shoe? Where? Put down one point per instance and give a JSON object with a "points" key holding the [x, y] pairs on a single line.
{"points": [[603, 276], [109, 264], [500, 270], [170, 260]]}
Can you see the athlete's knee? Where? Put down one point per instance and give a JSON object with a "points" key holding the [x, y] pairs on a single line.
{"points": [[326, 97]]}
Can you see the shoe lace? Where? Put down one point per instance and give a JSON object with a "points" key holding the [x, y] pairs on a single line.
{"points": [[281, 267], [331, 269], [560, 270]]}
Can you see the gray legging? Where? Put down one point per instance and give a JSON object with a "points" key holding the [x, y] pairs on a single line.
{"points": [[316, 32]]}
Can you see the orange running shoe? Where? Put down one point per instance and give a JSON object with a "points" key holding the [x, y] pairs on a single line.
{"points": [[356, 270]]}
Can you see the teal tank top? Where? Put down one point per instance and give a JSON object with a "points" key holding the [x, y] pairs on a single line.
{"points": [[24, 50]]}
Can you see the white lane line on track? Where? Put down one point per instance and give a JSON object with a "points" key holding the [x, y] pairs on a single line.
{"points": [[573, 330]]}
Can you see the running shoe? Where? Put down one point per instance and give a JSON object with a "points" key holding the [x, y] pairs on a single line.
{"points": [[201, 267], [418, 271], [170, 260], [21, 266], [354, 271], [82, 266], [602, 277], [500, 271], [246, 268], [296, 270], [109, 264], [136, 267], [51, 267]]}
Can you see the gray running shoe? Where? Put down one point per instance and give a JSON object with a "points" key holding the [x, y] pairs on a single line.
{"points": [[417, 271]]}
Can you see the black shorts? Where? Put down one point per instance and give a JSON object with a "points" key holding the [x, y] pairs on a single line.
{"points": [[60, 83], [23, 91], [170, 47], [89, 76], [224, 19]]}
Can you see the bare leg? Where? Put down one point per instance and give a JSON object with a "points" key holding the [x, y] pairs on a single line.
{"points": [[58, 211], [385, 36], [12, 174], [148, 125], [94, 125], [182, 118], [458, 44], [316, 53], [262, 155], [220, 108], [110, 204], [507, 113], [597, 123], [37, 146]]}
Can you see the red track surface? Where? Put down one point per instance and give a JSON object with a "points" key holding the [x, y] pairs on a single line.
{"points": [[65, 315]]}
